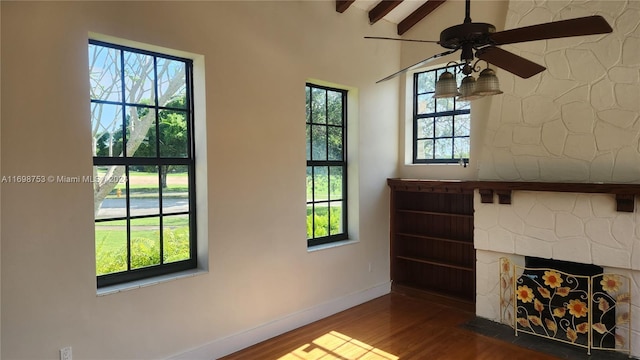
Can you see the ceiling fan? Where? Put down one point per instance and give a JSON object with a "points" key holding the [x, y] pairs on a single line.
{"points": [[481, 41]]}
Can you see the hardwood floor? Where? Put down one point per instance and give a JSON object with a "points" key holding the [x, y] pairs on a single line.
{"points": [[394, 326]]}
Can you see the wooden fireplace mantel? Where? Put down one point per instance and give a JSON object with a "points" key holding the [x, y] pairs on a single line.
{"points": [[624, 193]]}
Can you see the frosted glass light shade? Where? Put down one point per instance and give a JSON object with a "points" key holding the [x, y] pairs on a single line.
{"points": [[468, 88], [446, 86], [487, 83]]}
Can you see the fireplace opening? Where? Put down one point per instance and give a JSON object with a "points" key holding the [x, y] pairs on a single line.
{"points": [[564, 293]]}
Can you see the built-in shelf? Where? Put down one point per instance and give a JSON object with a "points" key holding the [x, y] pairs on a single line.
{"points": [[624, 193], [436, 263], [432, 239], [437, 213]]}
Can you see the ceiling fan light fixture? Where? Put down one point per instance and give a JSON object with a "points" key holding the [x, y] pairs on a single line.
{"points": [[446, 86], [467, 89], [487, 83]]}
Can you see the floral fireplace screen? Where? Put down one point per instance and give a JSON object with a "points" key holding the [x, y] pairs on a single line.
{"points": [[591, 311]]}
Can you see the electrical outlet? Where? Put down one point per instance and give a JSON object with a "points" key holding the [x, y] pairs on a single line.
{"points": [[65, 353]]}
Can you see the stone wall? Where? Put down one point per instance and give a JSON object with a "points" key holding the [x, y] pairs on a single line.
{"points": [[578, 121]]}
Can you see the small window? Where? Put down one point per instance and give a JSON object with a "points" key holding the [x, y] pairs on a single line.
{"points": [[143, 163], [441, 127], [326, 164]]}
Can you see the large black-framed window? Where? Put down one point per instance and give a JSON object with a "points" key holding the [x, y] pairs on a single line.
{"points": [[441, 127], [326, 123], [143, 163]]}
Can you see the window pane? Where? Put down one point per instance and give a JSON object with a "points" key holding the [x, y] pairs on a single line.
{"points": [[307, 96], [335, 182], [426, 104], [335, 143], [335, 218], [309, 184], [111, 247], [109, 192], [308, 130], [425, 128], [426, 82], [106, 125], [462, 125], [320, 183], [334, 107], [141, 132], [172, 85], [444, 104], [104, 73], [175, 238], [309, 221], [318, 106], [463, 105], [175, 188], [138, 78], [144, 196], [173, 134], [443, 148], [321, 220], [425, 150], [461, 148], [319, 142], [444, 126], [145, 242]]}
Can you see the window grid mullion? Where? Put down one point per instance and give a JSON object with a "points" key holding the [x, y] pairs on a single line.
{"points": [[127, 161], [128, 212], [158, 167], [453, 114], [315, 164]]}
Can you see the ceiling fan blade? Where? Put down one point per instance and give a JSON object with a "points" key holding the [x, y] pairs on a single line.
{"points": [[388, 38], [589, 25], [509, 61], [417, 65]]}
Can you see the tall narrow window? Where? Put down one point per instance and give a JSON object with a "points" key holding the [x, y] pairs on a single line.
{"points": [[143, 163], [326, 164], [441, 127]]}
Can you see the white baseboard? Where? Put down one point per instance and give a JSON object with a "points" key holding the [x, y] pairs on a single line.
{"points": [[232, 343]]}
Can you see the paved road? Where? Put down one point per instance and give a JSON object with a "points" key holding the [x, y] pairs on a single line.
{"points": [[115, 207]]}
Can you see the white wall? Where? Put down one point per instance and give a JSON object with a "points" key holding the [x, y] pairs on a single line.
{"points": [[257, 57]]}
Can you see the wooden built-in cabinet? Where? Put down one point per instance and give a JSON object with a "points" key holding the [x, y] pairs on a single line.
{"points": [[432, 227], [432, 238]]}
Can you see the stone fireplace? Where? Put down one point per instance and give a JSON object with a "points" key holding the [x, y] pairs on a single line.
{"points": [[577, 227]]}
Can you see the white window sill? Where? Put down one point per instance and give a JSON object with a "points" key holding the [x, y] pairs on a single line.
{"points": [[114, 289], [332, 245]]}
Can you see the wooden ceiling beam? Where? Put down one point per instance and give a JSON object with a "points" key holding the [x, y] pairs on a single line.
{"points": [[342, 5], [424, 10], [382, 9]]}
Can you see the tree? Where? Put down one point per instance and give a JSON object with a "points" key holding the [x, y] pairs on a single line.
{"points": [[105, 69]]}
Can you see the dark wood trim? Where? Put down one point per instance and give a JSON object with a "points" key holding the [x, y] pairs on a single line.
{"points": [[382, 9], [486, 195], [418, 15], [342, 5], [624, 193]]}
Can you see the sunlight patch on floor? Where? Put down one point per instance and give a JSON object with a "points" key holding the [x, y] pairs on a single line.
{"points": [[334, 345]]}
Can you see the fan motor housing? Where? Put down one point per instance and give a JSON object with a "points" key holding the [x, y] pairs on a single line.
{"points": [[474, 34]]}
